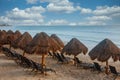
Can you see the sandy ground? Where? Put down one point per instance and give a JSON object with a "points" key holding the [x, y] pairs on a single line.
{"points": [[9, 70]]}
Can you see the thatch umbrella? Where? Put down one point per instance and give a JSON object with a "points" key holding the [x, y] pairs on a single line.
{"points": [[23, 41], [58, 40], [38, 40], [104, 50], [42, 44], [17, 34], [2, 37], [9, 37], [54, 46], [74, 47]]}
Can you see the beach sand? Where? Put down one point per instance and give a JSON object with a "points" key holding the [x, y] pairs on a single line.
{"points": [[9, 70]]}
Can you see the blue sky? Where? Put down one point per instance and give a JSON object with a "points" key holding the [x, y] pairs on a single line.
{"points": [[60, 12]]}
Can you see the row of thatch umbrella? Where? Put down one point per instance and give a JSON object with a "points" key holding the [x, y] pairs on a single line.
{"points": [[102, 52], [22, 41], [41, 44], [8, 37]]}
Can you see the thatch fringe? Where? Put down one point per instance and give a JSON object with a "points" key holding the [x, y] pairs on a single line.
{"points": [[75, 47], [104, 50]]}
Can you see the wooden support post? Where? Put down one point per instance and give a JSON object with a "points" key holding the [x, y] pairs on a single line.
{"points": [[10, 47], [43, 62], [107, 66], [24, 53], [75, 61]]}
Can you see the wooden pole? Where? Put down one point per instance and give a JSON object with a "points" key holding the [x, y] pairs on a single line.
{"points": [[10, 47], [107, 68], [24, 53], [75, 61], [43, 62]]}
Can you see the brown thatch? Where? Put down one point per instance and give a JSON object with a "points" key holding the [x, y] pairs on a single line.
{"points": [[74, 47], [37, 40], [104, 50], [2, 37], [10, 32], [9, 37], [54, 46], [17, 34], [42, 44], [58, 40], [23, 40]]}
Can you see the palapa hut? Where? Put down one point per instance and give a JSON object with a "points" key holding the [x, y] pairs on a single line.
{"points": [[58, 40], [32, 46], [38, 40], [74, 47], [42, 44], [54, 46], [9, 37], [23, 41], [103, 51], [17, 34], [2, 37]]}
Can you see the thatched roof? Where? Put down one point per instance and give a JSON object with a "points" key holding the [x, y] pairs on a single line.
{"points": [[10, 32], [41, 44], [58, 40], [9, 37], [17, 34], [23, 40], [2, 37], [74, 47], [104, 50], [54, 46]]}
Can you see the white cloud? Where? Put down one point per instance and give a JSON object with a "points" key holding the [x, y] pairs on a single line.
{"points": [[64, 6], [27, 16], [53, 1], [102, 15], [98, 18], [106, 10], [58, 22], [35, 9], [22, 14], [56, 8], [84, 10], [4, 19], [58, 2], [116, 15], [33, 16], [31, 1]]}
